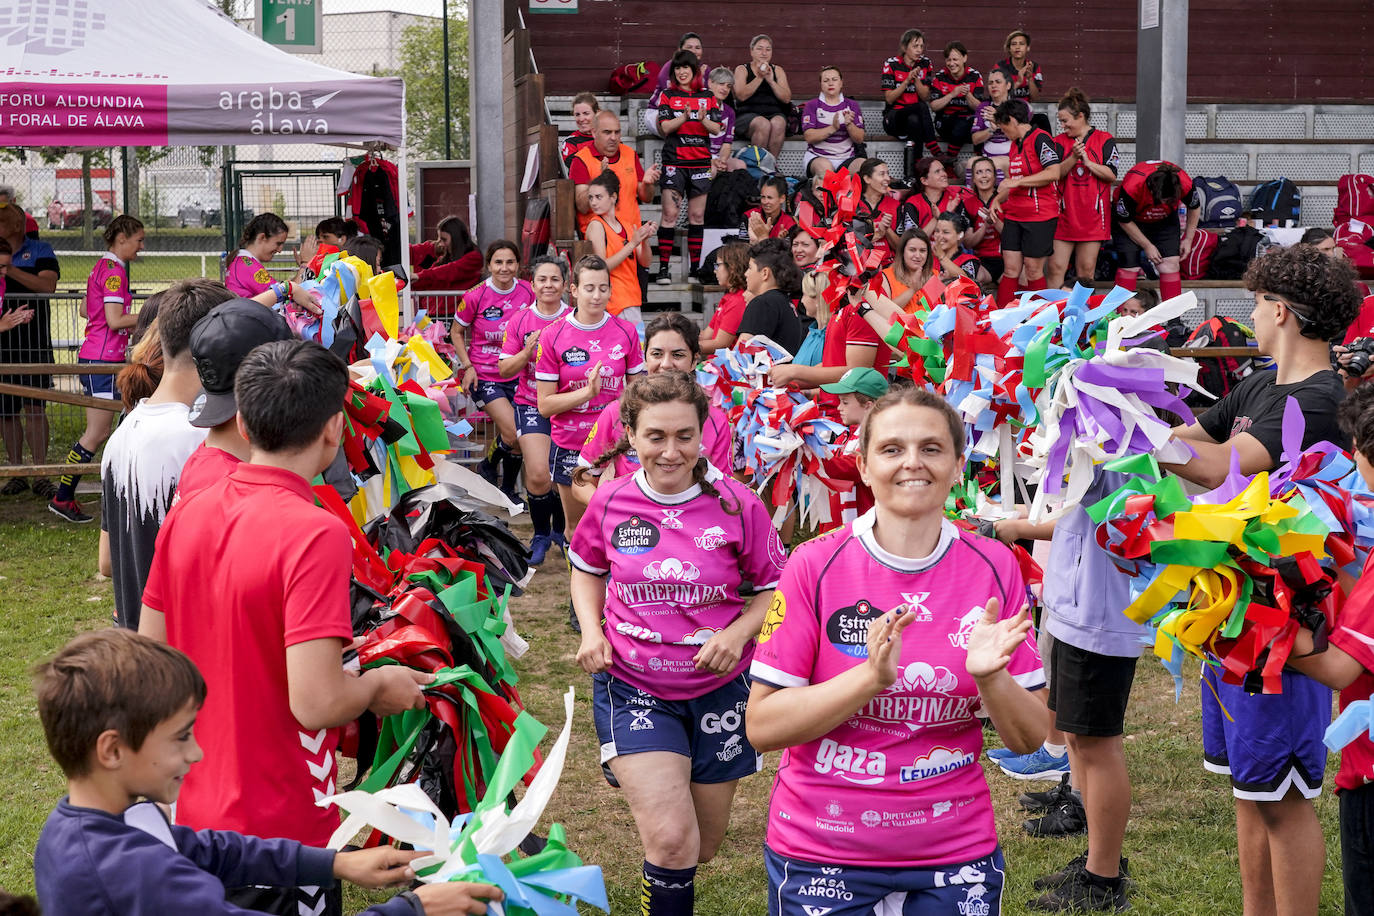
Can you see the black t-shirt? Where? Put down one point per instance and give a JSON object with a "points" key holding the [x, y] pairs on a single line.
{"points": [[771, 315], [1256, 406]]}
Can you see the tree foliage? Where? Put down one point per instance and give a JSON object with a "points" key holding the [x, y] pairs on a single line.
{"points": [[422, 68]]}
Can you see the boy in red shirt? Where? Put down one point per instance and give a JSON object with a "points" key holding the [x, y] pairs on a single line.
{"points": [[857, 389], [1347, 665], [250, 579]]}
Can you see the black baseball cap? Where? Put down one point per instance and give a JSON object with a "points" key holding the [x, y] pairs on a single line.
{"points": [[219, 343]]}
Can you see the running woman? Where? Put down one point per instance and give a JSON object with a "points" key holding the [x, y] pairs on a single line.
{"points": [[687, 116], [109, 318], [484, 314], [1027, 201], [670, 345], [906, 115], [1089, 168], [670, 585], [884, 642], [1145, 223], [584, 109], [549, 279], [259, 243], [582, 362]]}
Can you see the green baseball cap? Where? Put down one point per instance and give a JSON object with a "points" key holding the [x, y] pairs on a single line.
{"points": [[867, 382]]}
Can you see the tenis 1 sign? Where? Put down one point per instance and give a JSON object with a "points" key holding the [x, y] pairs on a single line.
{"points": [[293, 25]]}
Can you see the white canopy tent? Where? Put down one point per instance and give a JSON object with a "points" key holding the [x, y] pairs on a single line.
{"points": [[179, 73]]}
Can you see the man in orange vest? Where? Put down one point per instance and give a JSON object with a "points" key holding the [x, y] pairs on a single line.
{"points": [[607, 152]]}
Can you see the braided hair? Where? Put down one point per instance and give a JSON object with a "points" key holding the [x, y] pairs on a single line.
{"points": [[661, 388]]}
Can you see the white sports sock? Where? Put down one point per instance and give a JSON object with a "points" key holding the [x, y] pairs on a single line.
{"points": [[1056, 750]]}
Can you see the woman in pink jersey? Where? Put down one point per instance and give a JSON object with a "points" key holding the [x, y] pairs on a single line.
{"points": [[109, 318], [582, 363], [670, 585], [885, 641], [485, 311], [670, 345], [260, 242], [549, 278]]}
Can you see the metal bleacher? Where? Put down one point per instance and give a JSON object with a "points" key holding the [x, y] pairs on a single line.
{"points": [[1247, 142]]}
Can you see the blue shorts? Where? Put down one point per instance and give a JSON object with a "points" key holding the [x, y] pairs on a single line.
{"points": [[800, 888], [529, 420], [709, 729], [1272, 742], [484, 392], [98, 386], [562, 463]]}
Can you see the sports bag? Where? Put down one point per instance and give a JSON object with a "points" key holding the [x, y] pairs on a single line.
{"points": [[1221, 202], [1194, 267], [1354, 198], [1279, 199], [1234, 253]]}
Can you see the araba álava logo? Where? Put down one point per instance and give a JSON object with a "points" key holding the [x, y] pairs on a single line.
{"points": [[278, 112]]}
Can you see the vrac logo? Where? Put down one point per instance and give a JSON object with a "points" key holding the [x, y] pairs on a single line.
{"points": [[973, 903]]}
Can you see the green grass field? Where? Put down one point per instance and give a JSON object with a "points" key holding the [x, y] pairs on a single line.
{"points": [[1181, 839]]}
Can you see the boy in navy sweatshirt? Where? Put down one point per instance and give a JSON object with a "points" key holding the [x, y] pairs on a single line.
{"points": [[118, 710]]}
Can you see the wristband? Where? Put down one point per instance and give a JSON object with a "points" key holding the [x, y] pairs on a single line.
{"points": [[863, 309], [280, 290]]}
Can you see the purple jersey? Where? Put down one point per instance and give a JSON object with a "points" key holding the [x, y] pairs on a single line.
{"points": [[486, 310], [820, 113], [681, 569], [567, 352], [898, 784], [518, 330], [726, 134], [108, 282], [246, 276], [606, 431]]}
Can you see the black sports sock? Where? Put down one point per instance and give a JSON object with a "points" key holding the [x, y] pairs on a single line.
{"points": [[510, 470], [694, 234], [560, 521], [541, 512], [66, 487], [666, 235], [667, 891]]}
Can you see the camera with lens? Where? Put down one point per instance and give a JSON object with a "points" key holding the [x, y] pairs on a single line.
{"points": [[1358, 357]]}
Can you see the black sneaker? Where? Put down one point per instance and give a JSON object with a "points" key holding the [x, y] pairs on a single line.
{"points": [[1077, 865], [1039, 802], [14, 486], [1064, 819], [1082, 894], [70, 510], [664, 277]]}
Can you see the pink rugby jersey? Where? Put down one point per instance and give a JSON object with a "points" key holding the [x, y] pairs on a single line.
{"points": [[568, 350], [606, 431], [898, 784], [487, 310], [108, 282], [518, 330], [680, 569], [246, 276]]}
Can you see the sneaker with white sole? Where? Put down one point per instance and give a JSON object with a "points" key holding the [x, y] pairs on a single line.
{"points": [[1036, 802], [1000, 753], [70, 510], [1039, 764]]}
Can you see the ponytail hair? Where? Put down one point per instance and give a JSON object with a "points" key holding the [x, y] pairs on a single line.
{"points": [[124, 225], [268, 224], [1164, 183], [1075, 102], [661, 388], [676, 323], [140, 378]]}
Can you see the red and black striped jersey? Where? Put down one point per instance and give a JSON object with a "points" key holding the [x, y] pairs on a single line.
{"points": [[942, 84], [895, 69], [688, 147]]}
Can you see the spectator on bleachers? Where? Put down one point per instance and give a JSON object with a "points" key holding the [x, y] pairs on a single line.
{"points": [[690, 41], [910, 271], [762, 98], [686, 116], [606, 152], [953, 259], [831, 126], [1028, 200], [584, 109], [906, 114], [1145, 222], [995, 144], [985, 236], [721, 84], [1026, 78], [930, 196], [1324, 241], [769, 220], [731, 263], [877, 208], [955, 92], [452, 261], [1089, 165], [806, 251], [623, 246]]}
